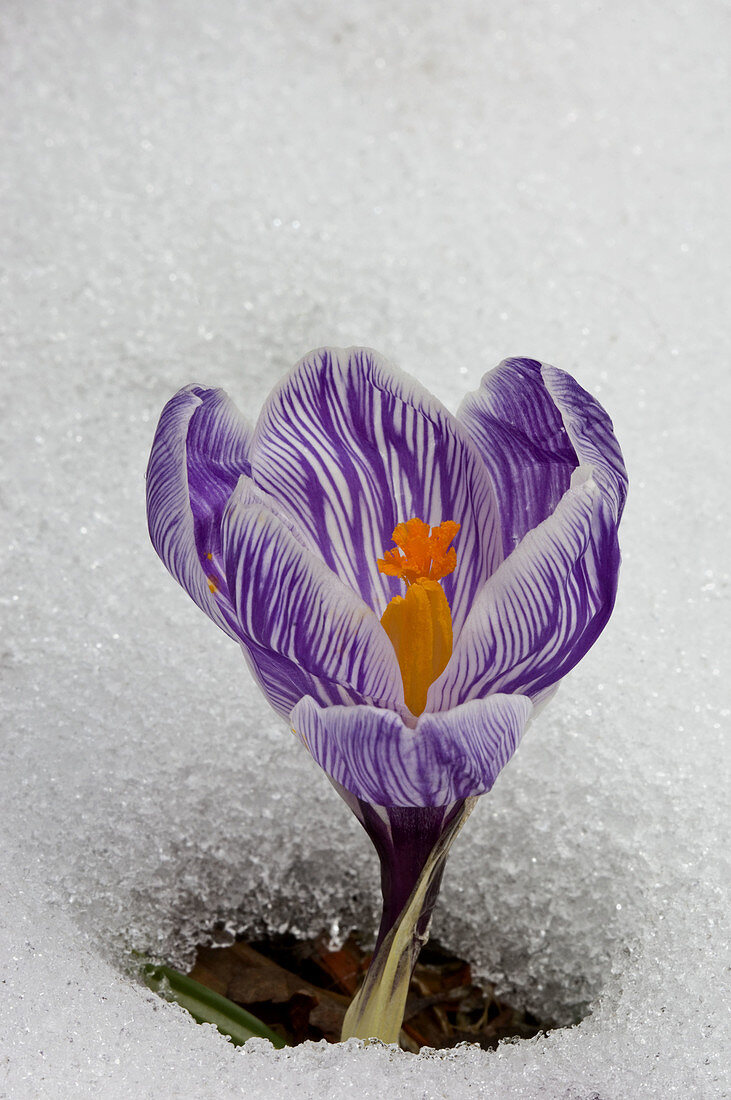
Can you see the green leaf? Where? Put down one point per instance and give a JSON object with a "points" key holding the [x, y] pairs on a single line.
{"points": [[208, 1007]]}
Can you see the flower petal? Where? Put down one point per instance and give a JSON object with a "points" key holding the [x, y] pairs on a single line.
{"points": [[592, 435], [450, 756], [352, 447], [306, 633], [520, 433], [170, 514], [551, 598], [217, 453]]}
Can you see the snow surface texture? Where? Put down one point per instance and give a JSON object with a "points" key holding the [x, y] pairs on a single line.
{"points": [[203, 193]]}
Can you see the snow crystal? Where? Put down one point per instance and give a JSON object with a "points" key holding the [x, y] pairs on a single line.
{"points": [[204, 193]]}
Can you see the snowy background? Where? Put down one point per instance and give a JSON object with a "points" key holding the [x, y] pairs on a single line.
{"points": [[204, 193]]}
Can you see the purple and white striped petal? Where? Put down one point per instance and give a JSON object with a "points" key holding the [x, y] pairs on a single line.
{"points": [[178, 528], [551, 598], [217, 454], [520, 433], [305, 632], [448, 757], [592, 436], [351, 447]]}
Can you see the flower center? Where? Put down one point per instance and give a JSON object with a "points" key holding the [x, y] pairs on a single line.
{"points": [[420, 623]]}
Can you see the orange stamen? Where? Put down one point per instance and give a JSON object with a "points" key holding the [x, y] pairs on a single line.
{"points": [[419, 625]]}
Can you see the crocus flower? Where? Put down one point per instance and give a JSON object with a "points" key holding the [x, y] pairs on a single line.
{"points": [[407, 586]]}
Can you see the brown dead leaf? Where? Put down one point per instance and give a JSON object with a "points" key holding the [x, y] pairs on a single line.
{"points": [[303, 990]]}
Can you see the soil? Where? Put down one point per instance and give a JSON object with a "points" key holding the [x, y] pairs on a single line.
{"points": [[302, 989]]}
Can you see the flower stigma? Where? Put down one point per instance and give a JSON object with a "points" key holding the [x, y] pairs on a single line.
{"points": [[419, 624]]}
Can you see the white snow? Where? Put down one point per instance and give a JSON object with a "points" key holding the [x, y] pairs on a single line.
{"points": [[203, 193]]}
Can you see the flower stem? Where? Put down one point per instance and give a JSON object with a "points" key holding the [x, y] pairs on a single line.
{"points": [[377, 1010]]}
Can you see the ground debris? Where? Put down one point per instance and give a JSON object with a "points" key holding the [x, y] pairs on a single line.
{"points": [[301, 989]]}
